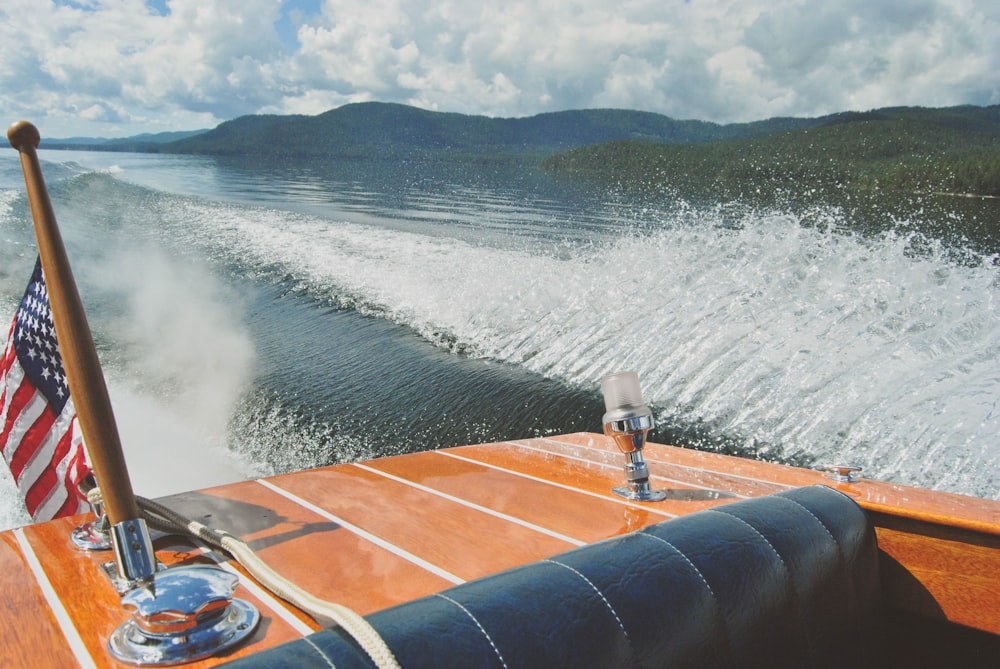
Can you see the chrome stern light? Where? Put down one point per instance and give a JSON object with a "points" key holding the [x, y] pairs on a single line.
{"points": [[627, 419]]}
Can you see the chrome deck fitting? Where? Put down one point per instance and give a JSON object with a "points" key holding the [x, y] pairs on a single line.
{"points": [[181, 615], [843, 473], [93, 535], [627, 419]]}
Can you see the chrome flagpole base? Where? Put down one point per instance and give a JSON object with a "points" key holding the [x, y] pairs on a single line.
{"points": [[183, 614], [179, 614], [94, 535]]}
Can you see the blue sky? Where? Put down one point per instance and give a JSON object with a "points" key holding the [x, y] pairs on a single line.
{"points": [[122, 67], [293, 14]]}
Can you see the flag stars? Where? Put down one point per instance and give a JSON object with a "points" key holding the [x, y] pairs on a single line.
{"points": [[36, 344]]}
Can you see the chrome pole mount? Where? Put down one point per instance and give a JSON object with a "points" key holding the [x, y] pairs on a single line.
{"points": [[179, 614], [627, 419], [183, 614], [93, 535]]}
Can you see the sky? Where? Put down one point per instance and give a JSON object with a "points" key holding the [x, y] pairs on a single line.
{"points": [[114, 68]]}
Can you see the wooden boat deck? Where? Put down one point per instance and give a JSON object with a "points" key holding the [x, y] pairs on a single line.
{"points": [[373, 534]]}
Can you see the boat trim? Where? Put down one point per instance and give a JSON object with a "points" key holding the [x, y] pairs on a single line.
{"points": [[66, 626], [350, 527], [476, 507], [514, 472]]}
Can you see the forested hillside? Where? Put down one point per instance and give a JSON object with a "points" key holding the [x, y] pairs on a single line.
{"points": [[906, 150], [910, 150], [136, 143], [375, 129]]}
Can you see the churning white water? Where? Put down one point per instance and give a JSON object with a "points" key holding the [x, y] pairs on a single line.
{"points": [[805, 340]]}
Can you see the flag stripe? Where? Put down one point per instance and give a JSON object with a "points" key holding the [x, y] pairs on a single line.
{"points": [[45, 491], [10, 378], [40, 439], [61, 501], [35, 480], [36, 441], [27, 408]]}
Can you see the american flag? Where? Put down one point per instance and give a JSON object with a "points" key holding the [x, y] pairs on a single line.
{"points": [[39, 434]]}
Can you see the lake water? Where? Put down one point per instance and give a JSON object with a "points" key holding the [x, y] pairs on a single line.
{"points": [[254, 319]]}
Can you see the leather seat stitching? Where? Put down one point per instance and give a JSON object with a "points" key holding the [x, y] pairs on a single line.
{"points": [[774, 550], [784, 565], [481, 628], [600, 594], [319, 650], [836, 544], [686, 559], [840, 549], [715, 599], [821, 523]]}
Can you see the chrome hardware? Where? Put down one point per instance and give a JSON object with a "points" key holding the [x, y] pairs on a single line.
{"points": [[843, 473], [120, 585], [94, 535], [180, 615], [627, 419], [133, 551]]}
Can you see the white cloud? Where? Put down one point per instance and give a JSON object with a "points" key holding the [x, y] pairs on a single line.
{"points": [[116, 67], [858, 54]]}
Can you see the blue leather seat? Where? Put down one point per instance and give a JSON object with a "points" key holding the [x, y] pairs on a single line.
{"points": [[788, 580]]}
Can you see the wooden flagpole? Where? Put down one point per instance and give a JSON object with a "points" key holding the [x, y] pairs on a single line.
{"points": [[83, 368]]}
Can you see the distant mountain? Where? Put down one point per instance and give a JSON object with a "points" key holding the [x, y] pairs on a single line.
{"points": [[138, 143], [373, 129], [907, 149]]}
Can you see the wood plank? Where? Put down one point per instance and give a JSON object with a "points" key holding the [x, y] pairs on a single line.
{"points": [[664, 472], [929, 506], [463, 541], [940, 573], [94, 605], [310, 550], [567, 512], [771, 477], [589, 476], [88, 597], [946, 508], [31, 634]]}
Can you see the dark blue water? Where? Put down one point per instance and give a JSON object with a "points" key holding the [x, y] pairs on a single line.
{"points": [[254, 319]]}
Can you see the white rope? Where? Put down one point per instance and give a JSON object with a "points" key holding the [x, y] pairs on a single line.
{"points": [[163, 518]]}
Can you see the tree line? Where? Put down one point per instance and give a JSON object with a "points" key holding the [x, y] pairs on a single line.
{"points": [[899, 150]]}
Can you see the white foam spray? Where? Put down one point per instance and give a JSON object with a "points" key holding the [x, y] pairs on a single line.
{"points": [[178, 364], [798, 339]]}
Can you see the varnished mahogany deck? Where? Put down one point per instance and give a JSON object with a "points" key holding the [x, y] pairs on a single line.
{"points": [[374, 534]]}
